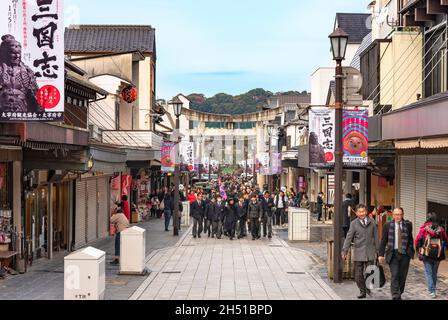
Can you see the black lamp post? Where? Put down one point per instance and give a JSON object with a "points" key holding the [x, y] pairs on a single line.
{"points": [[339, 40], [177, 107], [270, 129]]}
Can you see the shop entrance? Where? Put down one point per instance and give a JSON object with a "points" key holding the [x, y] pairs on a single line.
{"points": [[442, 212]]}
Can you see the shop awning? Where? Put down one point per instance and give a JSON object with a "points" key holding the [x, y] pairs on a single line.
{"points": [[434, 143], [409, 144]]}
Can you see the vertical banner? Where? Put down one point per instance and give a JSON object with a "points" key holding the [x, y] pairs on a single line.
{"points": [[187, 153], [31, 60], [264, 163], [276, 167], [322, 137], [355, 137], [168, 157]]}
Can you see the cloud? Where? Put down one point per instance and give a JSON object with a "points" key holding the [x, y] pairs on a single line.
{"points": [[216, 73]]}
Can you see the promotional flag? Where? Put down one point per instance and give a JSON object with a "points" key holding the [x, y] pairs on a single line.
{"points": [[355, 137], [168, 157], [322, 137], [31, 60], [276, 161], [187, 153]]}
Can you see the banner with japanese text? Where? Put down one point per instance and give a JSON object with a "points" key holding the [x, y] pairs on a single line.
{"points": [[31, 60], [276, 164], [263, 164], [355, 137], [168, 154], [322, 137], [187, 153]]}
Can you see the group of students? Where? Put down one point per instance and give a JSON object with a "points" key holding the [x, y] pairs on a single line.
{"points": [[397, 247]]}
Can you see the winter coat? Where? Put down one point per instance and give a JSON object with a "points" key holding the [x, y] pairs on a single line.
{"points": [[230, 217], [198, 211], [267, 206], [346, 217], [214, 212], [365, 239], [254, 211], [426, 230]]}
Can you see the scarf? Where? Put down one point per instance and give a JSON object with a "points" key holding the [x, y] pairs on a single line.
{"points": [[404, 233]]}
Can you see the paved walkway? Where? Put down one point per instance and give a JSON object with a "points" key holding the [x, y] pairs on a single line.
{"points": [[211, 269], [45, 280]]}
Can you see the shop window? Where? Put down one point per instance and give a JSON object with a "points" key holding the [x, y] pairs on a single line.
{"points": [[5, 207]]}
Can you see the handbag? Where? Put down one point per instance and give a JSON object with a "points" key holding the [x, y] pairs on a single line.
{"points": [[382, 274], [162, 205]]}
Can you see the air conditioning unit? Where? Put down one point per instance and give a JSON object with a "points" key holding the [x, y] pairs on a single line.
{"points": [[96, 133]]}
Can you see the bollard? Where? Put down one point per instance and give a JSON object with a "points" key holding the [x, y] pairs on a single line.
{"points": [[133, 251]]}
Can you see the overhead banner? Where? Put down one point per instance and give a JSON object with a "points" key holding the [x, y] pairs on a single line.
{"points": [[168, 157], [322, 137], [187, 153], [31, 60], [355, 135]]}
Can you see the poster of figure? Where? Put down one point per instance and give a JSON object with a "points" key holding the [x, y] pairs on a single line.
{"points": [[322, 137], [355, 137], [31, 60], [168, 157]]}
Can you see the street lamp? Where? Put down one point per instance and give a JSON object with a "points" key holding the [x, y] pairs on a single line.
{"points": [[339, 40], [270, 129], [177, 108]]}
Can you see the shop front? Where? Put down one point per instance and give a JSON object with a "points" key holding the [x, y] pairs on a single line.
{"points": [[6, 208]]}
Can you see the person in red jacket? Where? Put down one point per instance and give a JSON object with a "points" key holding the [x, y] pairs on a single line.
{"points": [[191, 197], [126, 208]]}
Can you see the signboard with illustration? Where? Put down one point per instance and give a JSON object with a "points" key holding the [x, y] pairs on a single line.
{"points": [[168, 157], [322, 137], [355, 135], [31, 60]]}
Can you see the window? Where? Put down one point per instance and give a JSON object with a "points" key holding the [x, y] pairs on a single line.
{"points": [[193, 125], [245, 125], [289, 116], [215, 125], [436, 72]]}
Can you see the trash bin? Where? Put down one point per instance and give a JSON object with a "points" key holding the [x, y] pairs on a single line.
{"points": [[186, 214], [348, 271], [133, 251], [299, 224], [85, 275]]}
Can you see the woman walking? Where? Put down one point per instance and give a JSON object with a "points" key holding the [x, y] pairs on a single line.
{"points": [[430, 244]]}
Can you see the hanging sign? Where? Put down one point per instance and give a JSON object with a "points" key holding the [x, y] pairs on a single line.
{"points": [[322, 137], [355, 137], [187, 153], [168, 157], [31, 60]]}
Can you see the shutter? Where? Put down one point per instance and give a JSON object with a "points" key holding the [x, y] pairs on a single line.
{"points": [[80, 214], [103, 208], [438, 178], [407, 186], [91, 210], [421, 192]]}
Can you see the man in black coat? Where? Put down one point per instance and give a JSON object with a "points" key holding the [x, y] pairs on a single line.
{"points": [[254, 213], [198, 214], [230, 218], [213, 212], [348, 207], [242, 217], [267, 203], [397, 249]]}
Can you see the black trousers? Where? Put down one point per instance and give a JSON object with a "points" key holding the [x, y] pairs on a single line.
{"points": [[360, 274], [198, 226], [242, 228], [399, 268], [255, 224]]}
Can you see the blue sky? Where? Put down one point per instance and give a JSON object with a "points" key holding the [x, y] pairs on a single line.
{"points": [[232, 46]]}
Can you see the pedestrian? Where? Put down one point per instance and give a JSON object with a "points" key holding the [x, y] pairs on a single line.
{"points": [[211, 217], [168, 208], [121, 223], [397, 249], [254, 213], [126, 207], [280, 207], [320, 206], [363, 233], [305, 203], [221, 206], [267, 204], [347, 208], [198, 213], [230, 218], [430, 244], [242, 218]]}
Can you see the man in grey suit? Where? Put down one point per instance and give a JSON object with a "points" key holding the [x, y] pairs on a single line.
{"points": [[364, 233]]}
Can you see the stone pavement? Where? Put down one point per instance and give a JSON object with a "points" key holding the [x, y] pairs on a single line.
{"points": [[211, 269], [416, 283], [45, 280]]}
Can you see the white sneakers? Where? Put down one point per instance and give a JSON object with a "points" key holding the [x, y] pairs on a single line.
{"points": [[433, 295]]}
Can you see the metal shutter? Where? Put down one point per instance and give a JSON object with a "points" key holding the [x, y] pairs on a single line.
{"points": [[438, 178], [421, 192], [407, 186], [92, 204], [103, 207], [80, 214]]}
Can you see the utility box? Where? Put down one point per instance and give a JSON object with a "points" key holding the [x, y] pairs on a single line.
{"points": [[299, 226], [133, 251], [186, 214], [85, 275]]}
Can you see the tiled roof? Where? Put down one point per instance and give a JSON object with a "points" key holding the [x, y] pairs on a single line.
{"points": [[356, 63], [109, 38], [355, 25], [296, 99]]}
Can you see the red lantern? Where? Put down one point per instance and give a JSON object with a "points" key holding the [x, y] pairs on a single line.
{"points": [[129, 94]]}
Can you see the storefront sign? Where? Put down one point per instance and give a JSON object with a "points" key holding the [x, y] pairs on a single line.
{"points": [[126, 183], [31, 60], [355, 135], [322, 137], [168, 157], [187, 152]]}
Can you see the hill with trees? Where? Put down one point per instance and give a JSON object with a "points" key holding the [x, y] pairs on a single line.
{"points": [[222, 103]]}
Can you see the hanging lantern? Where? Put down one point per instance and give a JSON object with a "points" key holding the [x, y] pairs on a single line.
{"points": [[129, 94]]}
